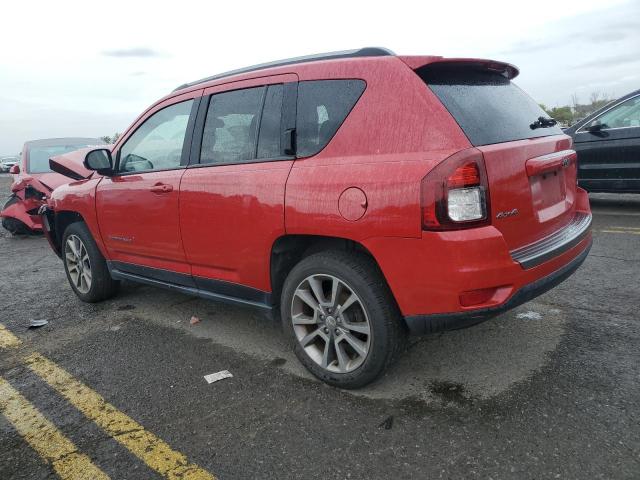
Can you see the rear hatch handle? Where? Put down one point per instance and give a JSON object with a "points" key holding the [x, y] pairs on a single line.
{"points": [[551, 162]]}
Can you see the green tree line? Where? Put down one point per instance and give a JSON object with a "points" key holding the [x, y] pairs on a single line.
{"points": [[567, 115], [110, 139]]}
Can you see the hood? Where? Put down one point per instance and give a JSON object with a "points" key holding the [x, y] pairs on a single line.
{"points": [[71, 164], [50, 180], [44, 182]]}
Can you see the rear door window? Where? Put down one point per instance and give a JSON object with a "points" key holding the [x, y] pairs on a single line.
{"points": [[323, 105], [243, 126], [488, 107], [231, 128]]}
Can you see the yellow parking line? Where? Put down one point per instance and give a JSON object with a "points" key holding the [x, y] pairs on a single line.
{"points": [[633, 229], [8, 339], [628, 232], [146, 446], [45, 438]]}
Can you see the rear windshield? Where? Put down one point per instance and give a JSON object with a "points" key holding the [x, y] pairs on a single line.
{"points": [[488, 107]]}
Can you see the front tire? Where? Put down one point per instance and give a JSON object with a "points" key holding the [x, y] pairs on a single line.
{"points": [[341, 318], [85, 266]]}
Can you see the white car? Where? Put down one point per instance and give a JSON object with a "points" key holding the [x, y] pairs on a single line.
{"points": [[7, 162]]}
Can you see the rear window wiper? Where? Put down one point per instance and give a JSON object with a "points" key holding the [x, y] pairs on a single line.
{"points": [[542, 122]]}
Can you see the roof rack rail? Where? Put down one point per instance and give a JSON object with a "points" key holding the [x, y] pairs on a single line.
{"points": [[362, 52]]}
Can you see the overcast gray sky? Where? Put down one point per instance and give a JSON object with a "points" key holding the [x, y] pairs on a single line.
{"points": [[88, 69]]}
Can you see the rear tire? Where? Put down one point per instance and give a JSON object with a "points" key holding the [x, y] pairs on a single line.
{"points": [[85, 266], [341, 318]]}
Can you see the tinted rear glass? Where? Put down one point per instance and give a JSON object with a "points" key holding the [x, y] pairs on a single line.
{"points": [[322, 107], [488, 107]]}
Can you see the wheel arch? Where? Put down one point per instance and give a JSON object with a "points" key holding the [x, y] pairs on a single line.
{"points": [[63, 219], [288, 250]]}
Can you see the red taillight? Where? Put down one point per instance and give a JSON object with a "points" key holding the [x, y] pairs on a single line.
{"points": [[455, 194], [465, 176]]}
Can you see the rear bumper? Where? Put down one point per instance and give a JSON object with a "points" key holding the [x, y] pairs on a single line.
{"points": [[423, 324], [556, 244]]}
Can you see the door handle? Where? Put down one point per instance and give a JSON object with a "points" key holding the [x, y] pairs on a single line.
{"points": [[161, 188]]}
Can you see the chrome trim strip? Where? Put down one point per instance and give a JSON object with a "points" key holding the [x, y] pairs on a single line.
{"points": [[555, 244]]}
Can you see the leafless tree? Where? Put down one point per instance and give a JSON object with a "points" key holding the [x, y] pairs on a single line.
{"points": [[575, 102]]}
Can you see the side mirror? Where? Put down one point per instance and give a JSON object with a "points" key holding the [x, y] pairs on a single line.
{"points": [[595, 126], [99, 160], [15, 169]]}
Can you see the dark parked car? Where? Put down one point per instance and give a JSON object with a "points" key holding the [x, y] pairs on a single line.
{"points": [[608, 146]]}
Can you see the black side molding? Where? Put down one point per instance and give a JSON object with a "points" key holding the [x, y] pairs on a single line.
{"points": [[226, 292]]}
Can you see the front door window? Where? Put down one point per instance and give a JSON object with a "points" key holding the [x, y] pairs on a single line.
{"points": [[157, 143]]}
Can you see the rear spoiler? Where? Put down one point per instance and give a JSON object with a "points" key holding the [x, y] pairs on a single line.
{"points": [[71, 164], [505, 69]]}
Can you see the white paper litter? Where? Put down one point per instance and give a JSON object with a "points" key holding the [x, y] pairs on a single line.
{"points": [[38, 323], [214, 377], [529, 316]]}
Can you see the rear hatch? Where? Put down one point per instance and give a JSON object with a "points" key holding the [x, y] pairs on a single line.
{"points": [[531, 168]]}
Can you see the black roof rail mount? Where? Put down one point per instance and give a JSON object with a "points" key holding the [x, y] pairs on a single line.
{"points": [[362, 52]]}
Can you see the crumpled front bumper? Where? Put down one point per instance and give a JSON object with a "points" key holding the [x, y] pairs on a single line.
{"points": [[23, 210]]}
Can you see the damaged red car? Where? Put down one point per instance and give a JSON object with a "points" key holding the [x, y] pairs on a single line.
{"points": [[34, 181]]}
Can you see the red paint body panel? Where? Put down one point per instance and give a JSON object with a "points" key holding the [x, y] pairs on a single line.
{"points": [[544, 204], [391, 145], [244, 210], [230, 216], [138, 225], [80, 197], [428, 274]]}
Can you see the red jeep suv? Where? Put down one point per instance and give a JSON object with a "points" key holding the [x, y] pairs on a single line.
{"points": [[360, 194]]}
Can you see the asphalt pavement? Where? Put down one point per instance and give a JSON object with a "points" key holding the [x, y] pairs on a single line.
{"points": [[117, 389]]}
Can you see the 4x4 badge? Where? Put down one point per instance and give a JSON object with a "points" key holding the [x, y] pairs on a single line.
{"points": [[565, 162], [507, 213]]}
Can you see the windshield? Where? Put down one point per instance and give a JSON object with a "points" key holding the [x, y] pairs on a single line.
{"points": [[488, 107], [39, 156]]}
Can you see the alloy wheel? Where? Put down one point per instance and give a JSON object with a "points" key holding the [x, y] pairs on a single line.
{"points": [[331, 323], [78, 264]]}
